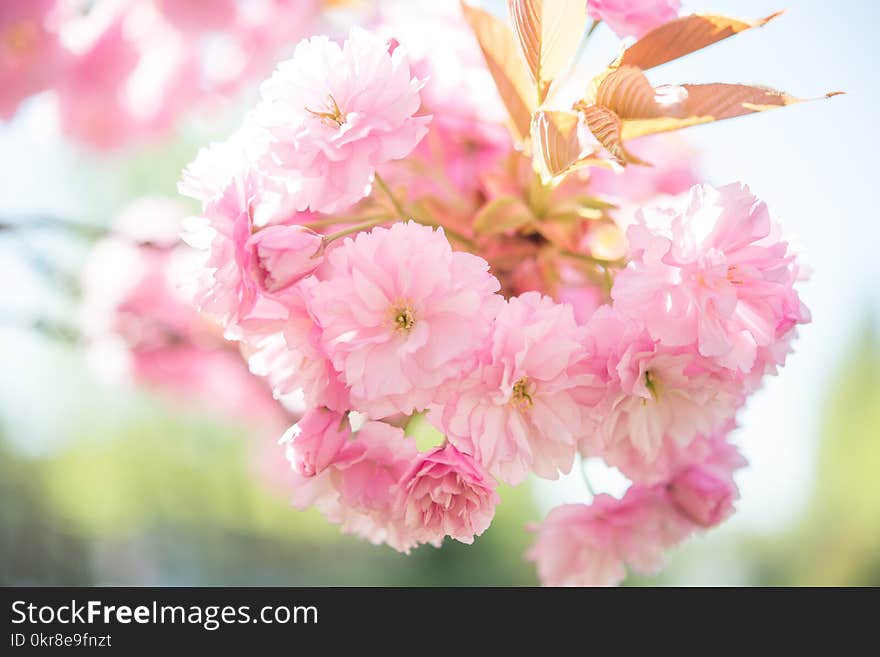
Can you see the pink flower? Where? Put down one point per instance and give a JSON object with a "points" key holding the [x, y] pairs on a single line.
{"points": [[402, 315], [248, 270], [283, 255], [30, 56], [669, 460], [220, 164], [591, 545], [335, 114], [704, 492], [520, 411], [320, 439], [222, 233], [446, 493], [712, 272], [370, 480], [293, 359], [356, 487], [633, 17], [703, 495], [655, 392]]}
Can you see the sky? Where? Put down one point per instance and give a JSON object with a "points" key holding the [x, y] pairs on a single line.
{"points": [[812, 164]]}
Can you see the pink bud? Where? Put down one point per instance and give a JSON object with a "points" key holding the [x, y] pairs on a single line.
{"points": [[285, 254], [703, 495], [321, 439]]}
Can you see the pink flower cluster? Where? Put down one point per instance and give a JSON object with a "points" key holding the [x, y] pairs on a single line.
{"points": [[336, 292], [593, 544], [706, 308], [375, 483]]}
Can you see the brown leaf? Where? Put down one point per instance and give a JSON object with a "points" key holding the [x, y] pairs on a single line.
{"points": [[501, 215], [556, 146], [644, 110], [549, 32], [606, 127], [705, 103], [555, 143], [683, 36], [503, 59], [627, 92]]}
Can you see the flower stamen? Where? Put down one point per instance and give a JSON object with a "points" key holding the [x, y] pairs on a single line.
{"points": [[653, 386], [404, 319], [731, 272], [332, 115], [522, 393]]}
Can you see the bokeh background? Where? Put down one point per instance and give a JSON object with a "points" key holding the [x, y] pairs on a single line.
{"points": [[105, 482]]}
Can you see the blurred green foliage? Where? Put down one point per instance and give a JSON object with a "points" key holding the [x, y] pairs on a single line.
{"points": [[838, 540]]}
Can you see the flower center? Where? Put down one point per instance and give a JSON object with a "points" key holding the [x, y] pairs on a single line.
{"points": [[652, 383], [732, 273], [19, 37], [404, 319], [522, 393], [330, 115]]}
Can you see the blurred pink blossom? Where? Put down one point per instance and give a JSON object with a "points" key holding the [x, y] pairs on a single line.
{"points": [[140, 325], [30, 55], [592, 544], [633, 17]]}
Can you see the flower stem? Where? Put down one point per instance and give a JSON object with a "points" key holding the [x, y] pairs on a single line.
{"points": [[591, 29], [333, 221], [398, 208], [355, 229], [451, 233], [582, 46]]}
